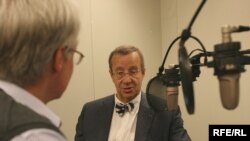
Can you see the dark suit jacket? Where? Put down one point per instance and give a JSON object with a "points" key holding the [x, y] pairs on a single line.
{"points": [[95, 120]]}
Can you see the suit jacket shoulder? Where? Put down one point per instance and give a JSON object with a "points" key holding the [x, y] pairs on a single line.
{"points": [[162, 125], [95, 119]]}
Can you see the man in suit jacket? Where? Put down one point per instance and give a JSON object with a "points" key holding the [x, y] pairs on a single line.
{"points": [[106, 119]]}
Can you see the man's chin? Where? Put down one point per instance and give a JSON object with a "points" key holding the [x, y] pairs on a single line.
{"points": [[129, 95]]}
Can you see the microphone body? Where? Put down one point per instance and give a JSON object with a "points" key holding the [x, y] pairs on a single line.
{"points": [[228, 67], [172, 82], [172, 97], [229, 90]]}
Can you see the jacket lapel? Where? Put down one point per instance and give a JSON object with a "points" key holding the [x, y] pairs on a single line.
{"points": [[144, 120], [106, 113]]}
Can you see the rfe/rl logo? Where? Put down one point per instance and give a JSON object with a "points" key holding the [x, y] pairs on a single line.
{"points": [[228, 132]]}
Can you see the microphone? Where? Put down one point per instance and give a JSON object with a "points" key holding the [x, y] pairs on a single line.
{"points": [[172, 97], [172, 82], [228, 67], [162, 90], [229, 90]]}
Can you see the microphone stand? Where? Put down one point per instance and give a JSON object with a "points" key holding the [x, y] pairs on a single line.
{"points": [[185, 71]]}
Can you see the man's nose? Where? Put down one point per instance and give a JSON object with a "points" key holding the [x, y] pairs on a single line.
{"points": [[127, 78]]}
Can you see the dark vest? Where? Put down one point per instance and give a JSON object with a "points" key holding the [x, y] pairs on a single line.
{"points": [[16, 118]]}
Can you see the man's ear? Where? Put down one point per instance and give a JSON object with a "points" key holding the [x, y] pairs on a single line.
{"points": [[58, 60]]}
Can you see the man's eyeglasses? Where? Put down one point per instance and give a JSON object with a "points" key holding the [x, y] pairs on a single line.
{"points": [[131, 72], [77, 58]]}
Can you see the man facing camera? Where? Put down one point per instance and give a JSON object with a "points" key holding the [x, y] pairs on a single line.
{"points": [[126, 115]]}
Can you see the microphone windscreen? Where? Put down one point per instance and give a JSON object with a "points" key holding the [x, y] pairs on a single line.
{"points": [[186, 79], [156, 94]]}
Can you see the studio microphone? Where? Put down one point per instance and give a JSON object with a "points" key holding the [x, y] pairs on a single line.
{"points": [[172, 83], [228, 67], [162, 90]]}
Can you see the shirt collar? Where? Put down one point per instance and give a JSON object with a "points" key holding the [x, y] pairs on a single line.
{"points": [[22, 96]]}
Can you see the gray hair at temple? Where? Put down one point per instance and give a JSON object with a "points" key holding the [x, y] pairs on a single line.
{"points": [[124, 50], [30, 33]]}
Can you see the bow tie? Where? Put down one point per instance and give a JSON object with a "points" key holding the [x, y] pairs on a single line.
{"points": [[122, 108]]}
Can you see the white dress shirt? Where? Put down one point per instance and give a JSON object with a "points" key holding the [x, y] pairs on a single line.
{"points": [[123, 127], [24, 97]]}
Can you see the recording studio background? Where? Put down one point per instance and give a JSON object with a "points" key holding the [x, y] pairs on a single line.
{"points": [[152, 25]]}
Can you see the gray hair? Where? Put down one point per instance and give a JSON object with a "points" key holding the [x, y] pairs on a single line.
{"points": [[125, 50], [30, 33]]}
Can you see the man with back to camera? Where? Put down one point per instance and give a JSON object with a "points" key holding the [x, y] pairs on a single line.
{"points": [[38, 40], [126, 115]]}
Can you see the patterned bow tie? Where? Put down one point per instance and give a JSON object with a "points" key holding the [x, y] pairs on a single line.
{"points": [[122, 108]]}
